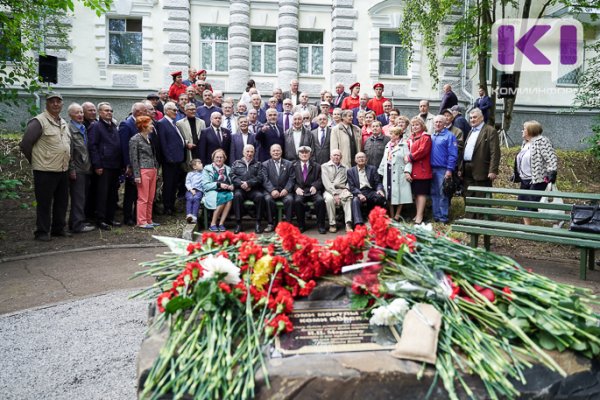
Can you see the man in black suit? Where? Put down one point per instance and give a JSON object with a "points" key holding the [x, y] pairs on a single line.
{"points": [[321, 140], [340, 95], [295, 137], [285, 118], [268, 135], [449, 98], [241, 138], [365, 184], [212, 138], [247, 180], [172, 145], [363, 100], [308, 187], [293, 93], [385, 117], [278, 185]]}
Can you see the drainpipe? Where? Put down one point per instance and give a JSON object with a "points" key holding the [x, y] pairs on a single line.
{"points": [[463, 72]]}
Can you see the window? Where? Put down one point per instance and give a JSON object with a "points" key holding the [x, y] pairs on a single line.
{"points": [[570, 78], [263, 52], [311, 52], [12, 34], [214, 48], [393, 58], [125, 41]]}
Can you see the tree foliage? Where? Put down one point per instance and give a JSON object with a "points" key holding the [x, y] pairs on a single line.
{"points": [[588, 91], [29, 28]]}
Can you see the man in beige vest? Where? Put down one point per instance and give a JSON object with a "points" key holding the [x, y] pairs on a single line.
{"points": [[46, 145]]}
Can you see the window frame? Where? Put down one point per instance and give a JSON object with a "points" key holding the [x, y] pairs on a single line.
{"points": [[213, 42], [111, 32], [393, 48], [263, 53], [310, 47]]}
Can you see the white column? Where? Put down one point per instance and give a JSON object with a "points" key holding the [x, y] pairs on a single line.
{"points": [[287, 42], [239, 45]]}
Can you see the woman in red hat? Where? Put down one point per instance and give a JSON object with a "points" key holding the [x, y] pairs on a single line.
{"points": [[177, 87], [201, 76], [352, 101]]}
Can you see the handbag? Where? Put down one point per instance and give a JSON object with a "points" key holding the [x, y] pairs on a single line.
{"points": [[552, 200], [585, 219]]}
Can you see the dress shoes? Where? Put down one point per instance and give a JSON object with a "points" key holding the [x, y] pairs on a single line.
{"points": [[62, 234], [104, 226], [43, 238], [238, 228], [302, 228], [349, 227], [258, 229], [332, 229], [86, 229], [115, 224], [269, 228], [129, 222], [323, 231]]}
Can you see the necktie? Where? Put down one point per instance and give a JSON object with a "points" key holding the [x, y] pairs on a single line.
{"points": [[305, 171], [229, 123], [277, 167], [287, 122], [273, 126], [219, 135], [322, 136]]}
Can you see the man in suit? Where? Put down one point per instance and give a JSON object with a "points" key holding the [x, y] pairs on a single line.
{"points": [[426, 115], [127, 130], [449, 98], [293, 93], [335, 183], [278, 185], [241, 138], [363, 100], [484, 104], [205, 111], [214, 137], [460, 121], [253, 124], [285, 118], [229, 120], [385, 117], [347, 138], [295, 137], [321, 140], [247, 179], [482, 153], [191, 128], [365, 184], [340, 95], [257, 105], [308, 187], [172, 146], [269, 134], [305, 106]]}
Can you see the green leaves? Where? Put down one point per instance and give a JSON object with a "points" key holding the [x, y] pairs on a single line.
{"points": [[178, 303], [359, 302]]}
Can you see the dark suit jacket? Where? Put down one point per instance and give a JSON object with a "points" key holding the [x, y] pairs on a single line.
{"points": [[262, 115], [355, 114], [384, 119], [321, 154], [462, 123], [306, 139], [312, 179], [209, 142], [272, 181], [237, 146], [280, 119], [288, 95], [171, 142], [127, 129], [448, 100], [486, 155], [484, 104], [372, 176], [203, 112], [268, 138], [338, 103]]}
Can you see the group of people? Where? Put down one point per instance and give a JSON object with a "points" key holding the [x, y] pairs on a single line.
{"points": [[345, 151]]}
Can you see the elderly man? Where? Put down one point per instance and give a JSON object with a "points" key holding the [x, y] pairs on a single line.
{"points": [[308, 187], [269, 134], [425, 115], [205, 111], [46, 145], [340, 95], [214, 137], [295, 137], [387, 109], [324, 108], [285, 118], [375, 145], [191, 128], [256, 104], [80, 169], [444, 155], [305, 106], [90, 115], [242, 109], [347, 138], [181, 102], [191, 95], [321, 140], [253, 124], [247, 179], [457, 132], [191, 77], [241, 138], [278, 94], [172, 146], [293, 93], [449, 98], [460, 121], [127, 130], [107, 161], [278, 184], [155, 101], [218, 98], [482, 153], [336, 193], [362, 106], [376, 103], [229, 120], [365, 185]]}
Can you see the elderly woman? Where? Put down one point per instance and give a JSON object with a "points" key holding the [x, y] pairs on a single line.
{"points": [[536, 163], [218, 190], [419, 146], [367, 129], [145, 166], [396, 172], [394, 114], [337, 117], [403, 123]]}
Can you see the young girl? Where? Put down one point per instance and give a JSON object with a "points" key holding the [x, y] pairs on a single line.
{"points": [[194, 192]]}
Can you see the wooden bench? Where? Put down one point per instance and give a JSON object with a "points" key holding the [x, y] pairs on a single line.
{"points": [[247, 204], [489, 209]]}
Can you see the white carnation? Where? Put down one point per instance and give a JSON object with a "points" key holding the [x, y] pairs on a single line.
{"points": [[220, 266], [391, 314]]}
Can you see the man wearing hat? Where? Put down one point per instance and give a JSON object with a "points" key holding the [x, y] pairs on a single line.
{"points": [[47, 146], [376, 103], [353, 100], [308, 188], [177, 87], [460, 121], [155, 100]]}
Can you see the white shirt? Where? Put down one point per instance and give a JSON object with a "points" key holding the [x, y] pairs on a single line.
{"points": [[297, 135], [470, 146], [233, 123]]}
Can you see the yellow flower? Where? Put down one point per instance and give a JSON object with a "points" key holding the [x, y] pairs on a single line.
{"points": [[262, 271]]}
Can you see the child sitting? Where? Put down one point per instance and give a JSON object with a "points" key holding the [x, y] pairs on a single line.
{"points": [[194, 193]]}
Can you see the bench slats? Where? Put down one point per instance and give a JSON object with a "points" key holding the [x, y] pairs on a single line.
{"points": [[516, 203], [517, 213], [564, 195]]}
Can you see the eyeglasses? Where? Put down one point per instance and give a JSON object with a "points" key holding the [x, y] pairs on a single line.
{"points": [[306, 118], [105, 110]]}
